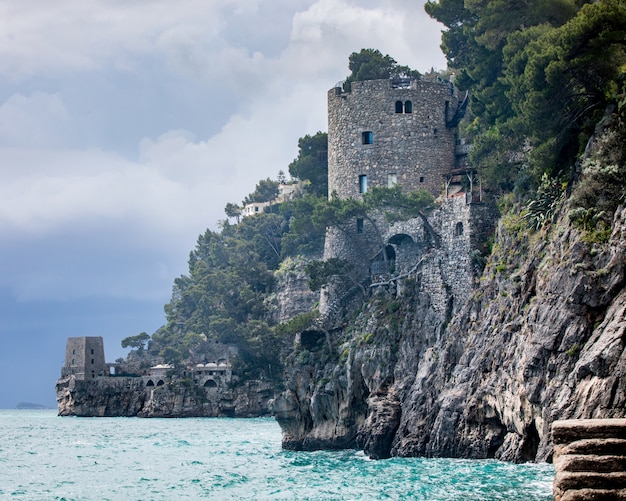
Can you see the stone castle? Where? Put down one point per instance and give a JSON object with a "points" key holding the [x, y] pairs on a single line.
{"points": [[404, 132]]}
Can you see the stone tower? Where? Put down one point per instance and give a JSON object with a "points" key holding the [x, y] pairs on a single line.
{"points": [[84, 358], [388, 132]]}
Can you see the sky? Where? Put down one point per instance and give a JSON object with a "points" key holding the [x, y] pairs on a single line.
{"points": [[126, 126]]}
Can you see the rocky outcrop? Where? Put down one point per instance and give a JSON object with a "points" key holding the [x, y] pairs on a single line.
{"points": [[589, 459], [429, 366], [128, 396]]}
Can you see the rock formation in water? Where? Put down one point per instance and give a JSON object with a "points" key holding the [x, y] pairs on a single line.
{"points": [[129, 396]]}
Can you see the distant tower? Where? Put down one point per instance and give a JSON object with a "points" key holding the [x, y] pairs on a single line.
{"points": [[388, 132], [84, 358]]}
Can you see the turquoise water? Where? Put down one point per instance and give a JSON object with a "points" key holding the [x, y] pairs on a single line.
{"points": [[45, 457]]}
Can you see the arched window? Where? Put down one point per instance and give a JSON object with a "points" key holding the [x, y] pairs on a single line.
{"points": [[458, 230], [408, 107], [160, 382], [398, 106], [150, 383]]}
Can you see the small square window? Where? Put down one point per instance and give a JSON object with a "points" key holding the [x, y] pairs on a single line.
{"points": [[359, 226], [367, 137], [421, 179]]}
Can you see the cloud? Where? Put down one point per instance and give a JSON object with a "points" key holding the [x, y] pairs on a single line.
{"points": [[207, 97], [33, 121]]}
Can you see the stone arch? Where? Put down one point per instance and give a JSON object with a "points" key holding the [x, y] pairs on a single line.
{"points": [[381, 266], [407, 251], [210, 383], [160, 382], [149, 383]]}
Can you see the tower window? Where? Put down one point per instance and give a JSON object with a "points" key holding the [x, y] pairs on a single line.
{"points": [[421, 179], [367, 137], [399, 107], [458, 230], [392, 180], [92, 361], [359, 226], [408, 107], [362, 183], [92, 351]]}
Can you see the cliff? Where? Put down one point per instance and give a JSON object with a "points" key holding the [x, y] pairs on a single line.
{"points": [[129, 396], [428, 366]]}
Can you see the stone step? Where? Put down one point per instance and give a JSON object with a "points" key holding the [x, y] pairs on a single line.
{"points": [[571, 430], [591, 463], [566, 480], [593, 495], [593, 446]]}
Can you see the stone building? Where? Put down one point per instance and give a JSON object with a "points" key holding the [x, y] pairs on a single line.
{"points": [[388, 132], [403, 132], [84, 358]]}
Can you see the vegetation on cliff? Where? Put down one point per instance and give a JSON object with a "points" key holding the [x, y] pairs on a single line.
{"points": [[540, 75]]}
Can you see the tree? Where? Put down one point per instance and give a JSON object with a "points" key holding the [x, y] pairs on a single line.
{"points": [[312, 162], [137, 341], [266, 190], [539, 72], [233, 210], [370, 64]]}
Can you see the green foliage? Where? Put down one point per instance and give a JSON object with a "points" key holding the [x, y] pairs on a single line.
{"points": [[540, 73], [603, 185], [370, 64], [233, 210], [320, 272], [296, 324], [396, 205], [137, 341], [541, 208], [266, 190], [573, 350], [312, 163]]}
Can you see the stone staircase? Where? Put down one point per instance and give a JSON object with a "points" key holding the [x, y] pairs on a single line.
{"points": [[589, 459]]}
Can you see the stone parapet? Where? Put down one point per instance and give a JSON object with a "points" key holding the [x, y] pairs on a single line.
{"points": [[589, 459]]}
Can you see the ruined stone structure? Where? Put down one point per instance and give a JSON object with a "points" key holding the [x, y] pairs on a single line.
{"points": [[84, 358], [403, 132]]}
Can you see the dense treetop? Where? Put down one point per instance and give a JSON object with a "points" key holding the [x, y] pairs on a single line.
{"points": [[541, 74], [370, 64]]}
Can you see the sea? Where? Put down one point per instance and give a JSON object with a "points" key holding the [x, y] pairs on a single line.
{"points": [[45, 457]]}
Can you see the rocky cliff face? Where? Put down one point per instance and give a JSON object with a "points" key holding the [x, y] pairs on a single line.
{"points": [[128, 396], [540, 337]]}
